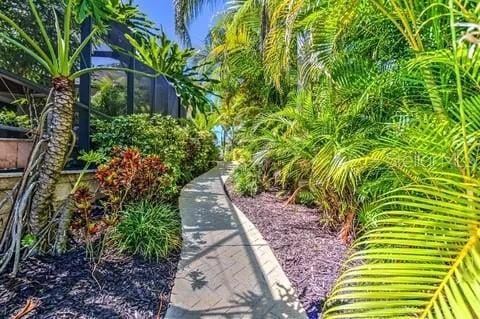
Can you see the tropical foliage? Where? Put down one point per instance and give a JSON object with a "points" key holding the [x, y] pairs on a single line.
{"points": [[185, 150], [33, 197], [369, 109], [10, 118], [110, 97], [168, 59], [13, 58]]}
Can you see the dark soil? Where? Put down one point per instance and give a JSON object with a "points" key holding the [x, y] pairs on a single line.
{"points": [[310, 255], [122, 287]]}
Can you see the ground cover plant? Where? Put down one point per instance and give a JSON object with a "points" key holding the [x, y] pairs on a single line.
{"points": [[151, 230], [369, 110]]}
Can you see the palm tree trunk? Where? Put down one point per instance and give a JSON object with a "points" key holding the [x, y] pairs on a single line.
{"points": [[59, 133], [264, 25]]}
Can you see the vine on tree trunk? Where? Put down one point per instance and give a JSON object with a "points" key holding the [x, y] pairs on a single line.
{"points": [[32, 197], [59, 135]]}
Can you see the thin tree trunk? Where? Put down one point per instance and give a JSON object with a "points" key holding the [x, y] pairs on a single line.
{"points": [[265, 22], [59, 133]]}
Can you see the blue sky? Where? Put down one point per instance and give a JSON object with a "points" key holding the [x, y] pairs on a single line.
{"points": [[162, 13]]}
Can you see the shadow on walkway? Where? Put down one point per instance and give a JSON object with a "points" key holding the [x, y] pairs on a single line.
{"points": [[226, 269]]}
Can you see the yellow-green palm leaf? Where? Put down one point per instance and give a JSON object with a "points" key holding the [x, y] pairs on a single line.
{"points": [[421, 260]]}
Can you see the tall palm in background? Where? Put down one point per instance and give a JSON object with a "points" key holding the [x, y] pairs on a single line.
{"points": [[185, 12]]}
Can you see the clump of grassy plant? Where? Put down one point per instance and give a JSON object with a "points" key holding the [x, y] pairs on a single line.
{"points": [[152, 230]]}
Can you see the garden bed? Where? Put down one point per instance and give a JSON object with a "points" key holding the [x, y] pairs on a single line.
{"points": [[66, 287], [310, 254]]}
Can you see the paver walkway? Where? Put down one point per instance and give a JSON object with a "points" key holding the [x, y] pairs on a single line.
{"points": [[227, 270]]}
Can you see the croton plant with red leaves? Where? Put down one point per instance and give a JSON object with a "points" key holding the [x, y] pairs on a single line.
{"points": [[131, 176]]}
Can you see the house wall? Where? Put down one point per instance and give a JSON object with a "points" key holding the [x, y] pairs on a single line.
{"points": [[14, 152], [64, 186]]}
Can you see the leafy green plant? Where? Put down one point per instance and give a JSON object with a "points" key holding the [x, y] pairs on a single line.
{"points": [[169, 59], [149, 229], [201, 151], [420, 255], [421, 258], [246, 180], [306, 197], [110, 97], [28, 240], [240, 155], [10, 118], [184, 150]]}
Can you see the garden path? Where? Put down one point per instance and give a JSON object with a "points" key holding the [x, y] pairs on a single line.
{"points": [[227, 270]]}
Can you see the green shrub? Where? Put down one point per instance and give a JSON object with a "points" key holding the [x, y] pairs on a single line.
{"points": [[10, 118], [151, 230], [111, 97], [306, 197], [246, 180], [201, 152], [186, 151], [240, 155]]}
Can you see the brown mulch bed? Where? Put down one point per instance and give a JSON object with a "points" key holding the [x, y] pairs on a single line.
{"points": [[310, 255], [121, 287]]}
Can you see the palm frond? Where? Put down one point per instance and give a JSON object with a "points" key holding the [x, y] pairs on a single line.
{"points": [[422, 259]]}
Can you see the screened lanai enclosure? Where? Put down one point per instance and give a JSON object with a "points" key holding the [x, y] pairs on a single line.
{"points": [[135, 93]]}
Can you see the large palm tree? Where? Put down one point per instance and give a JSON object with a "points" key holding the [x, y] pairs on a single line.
{"points": [[187, 10]]}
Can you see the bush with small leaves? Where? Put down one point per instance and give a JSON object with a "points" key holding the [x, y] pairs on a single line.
{"points": [[185, 150]]}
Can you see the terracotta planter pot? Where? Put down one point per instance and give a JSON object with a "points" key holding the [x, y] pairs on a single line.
{"points": [[14, 152]]}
